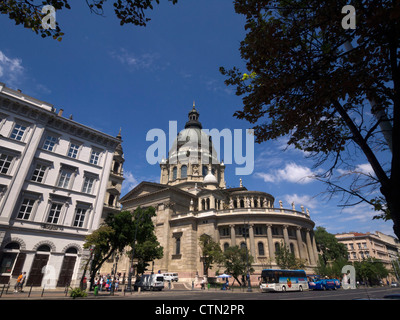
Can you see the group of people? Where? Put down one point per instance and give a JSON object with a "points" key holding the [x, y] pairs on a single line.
{"points": [[20, 282], [105, 283]]}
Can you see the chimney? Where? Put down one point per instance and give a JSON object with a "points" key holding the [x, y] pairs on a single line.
{"points": [[60, 112]]}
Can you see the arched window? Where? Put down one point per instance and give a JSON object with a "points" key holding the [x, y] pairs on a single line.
{"points": [[226, 246], [277, 247], [261, 249], [255, 203], [72, 250], [243, 245], [291, 248], [241, 203], [44, 248], [183, 171], [205, 171], [174, 173], [235, 204]]}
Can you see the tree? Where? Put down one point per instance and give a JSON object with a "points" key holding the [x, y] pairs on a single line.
{"points": [[29, 12], [237, 261], [370, 271], [210, 252], [286, 259], [329, 246], [112, 237], [334, 92], [144, 244]]}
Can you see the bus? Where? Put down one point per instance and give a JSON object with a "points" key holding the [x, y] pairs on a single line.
{"points": [[283, 280]]}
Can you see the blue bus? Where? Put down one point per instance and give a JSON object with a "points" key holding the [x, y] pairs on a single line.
{"points": [[283, 280]]}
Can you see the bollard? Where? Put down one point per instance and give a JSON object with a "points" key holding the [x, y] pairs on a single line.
{"points": [[30, 290], [96, 290]]}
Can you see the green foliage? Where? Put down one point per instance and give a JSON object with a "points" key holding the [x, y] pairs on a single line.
{"points": [[146, 246], [78, 293], [314, 82], [286, 259], [28, 12], [371, 271], [236, 262], [211, 251], [329, 246]]}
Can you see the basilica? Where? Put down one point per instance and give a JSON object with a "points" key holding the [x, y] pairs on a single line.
{"points": [[192, 199]]}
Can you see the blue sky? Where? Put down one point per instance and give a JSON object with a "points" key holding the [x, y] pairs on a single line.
{"points": [[108, 76]]}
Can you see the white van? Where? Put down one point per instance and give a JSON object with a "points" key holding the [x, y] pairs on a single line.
{"points": [[170, 277], [150, 282]]}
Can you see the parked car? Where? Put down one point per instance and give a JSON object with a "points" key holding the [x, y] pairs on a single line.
{"points": [[324, 284], [170, 277], [394, 284], [150, 282]]}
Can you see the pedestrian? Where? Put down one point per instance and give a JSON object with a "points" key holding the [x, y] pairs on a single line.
{"points": [[22, 282], [203, 282], [19, 279], [101, 281]]}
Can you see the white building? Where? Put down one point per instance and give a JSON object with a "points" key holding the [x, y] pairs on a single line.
{"points": [[55, 184]]}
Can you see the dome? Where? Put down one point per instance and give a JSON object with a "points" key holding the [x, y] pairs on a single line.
{"points": [[210, 178], [192, 143]]}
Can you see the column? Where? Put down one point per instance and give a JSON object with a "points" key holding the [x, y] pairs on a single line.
{"points": [[300, 244], [233, 235], [252, 244], [271, 248], [315, 251], [286, 236], [309, 248]]}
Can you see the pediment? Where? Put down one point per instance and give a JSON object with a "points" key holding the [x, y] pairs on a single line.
{"points": [[142, 189]]}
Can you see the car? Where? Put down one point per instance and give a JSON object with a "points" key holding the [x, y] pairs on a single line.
{"points": [[324, 284], [170, 277], [394, 284]]}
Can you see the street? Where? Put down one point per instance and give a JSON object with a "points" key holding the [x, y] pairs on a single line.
{"points": [[182, 293]]}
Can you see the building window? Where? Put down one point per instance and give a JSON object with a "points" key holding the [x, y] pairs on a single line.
{"points": [[178, 246], [243, 245], [73, 150], [225, 232], [204, 171], [54, 213], [64, 178], [18, 132], [50, 143], [26, 209], [95, 157], [39, 173], [79, 217], [5, 163], [261, 251], [174, 173], [226, 246], [184, 172], [88, 185]]}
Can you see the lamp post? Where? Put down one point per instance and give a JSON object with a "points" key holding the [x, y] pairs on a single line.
{"points": [[247, 254], [129, 287]]}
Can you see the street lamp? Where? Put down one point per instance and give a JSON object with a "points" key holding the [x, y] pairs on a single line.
{"points": [[247, 253], [129, 287]]}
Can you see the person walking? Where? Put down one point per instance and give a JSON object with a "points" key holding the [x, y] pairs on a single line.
{"points": [[19, 279], [22, 282]]}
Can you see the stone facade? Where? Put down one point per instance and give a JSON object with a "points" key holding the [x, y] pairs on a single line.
{"points": [[55, 175], [192, 199]]}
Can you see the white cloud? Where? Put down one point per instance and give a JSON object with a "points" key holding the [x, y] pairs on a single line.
{"points": [[364, 168], [11, 70], [292, 173], [143, 61], [300, 200], [130, 181]]}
